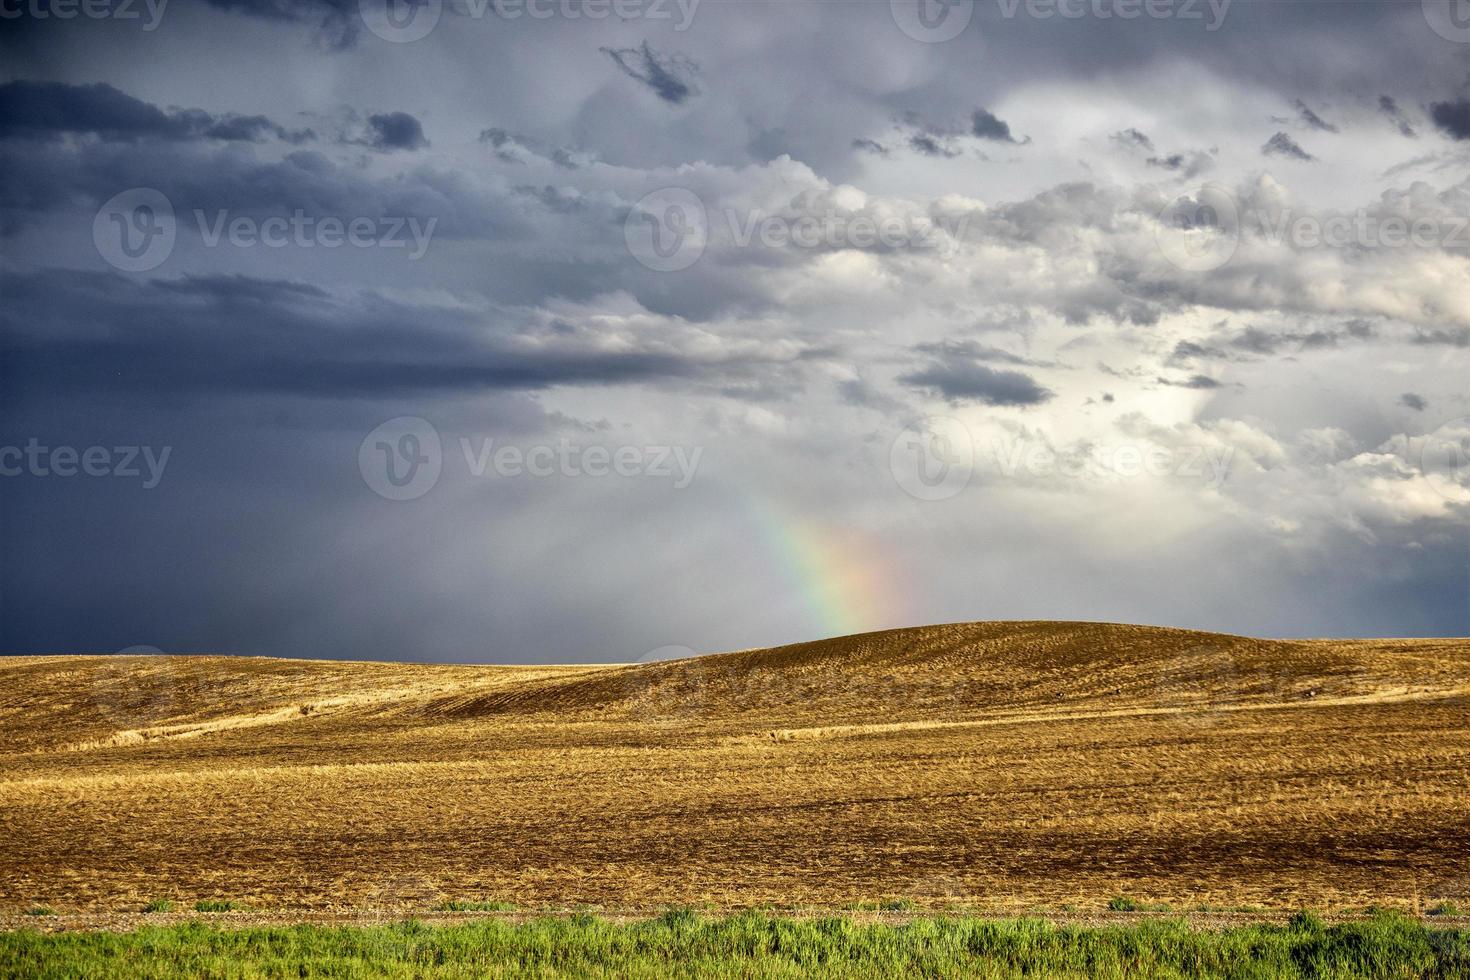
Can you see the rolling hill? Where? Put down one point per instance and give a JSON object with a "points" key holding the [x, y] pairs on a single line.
{"points": [[1000, 765]]}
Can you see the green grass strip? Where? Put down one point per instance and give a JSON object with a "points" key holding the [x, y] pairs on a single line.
{"points": [[683, 944]]}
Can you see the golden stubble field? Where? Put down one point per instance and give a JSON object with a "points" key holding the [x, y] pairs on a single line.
{"points": [[996, 766]]}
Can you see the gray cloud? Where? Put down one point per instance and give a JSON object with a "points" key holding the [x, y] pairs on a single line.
{"points": [[269, 336], [335, 23], [1282, 145], [986, 126], [930, 146], [964, 379], [1134, 139], [1452, 117], [795, 368], [1390, 108], [49, 110], [396, 131], [671, 77], [1312, 120]]}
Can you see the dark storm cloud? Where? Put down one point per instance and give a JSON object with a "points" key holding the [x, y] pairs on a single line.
{"points": [[1452, 117], [1133, 139], [930, 146], [1282, 145], [671, 77], [958, 376], [1253, 343], [1257, 341], [1189, 165], [1199, 382], [1189, 350], [1411, 400], [94, 332], [1311, 118], [1390, 108], [49, 110], [1445, 337], [958, 349], [334, 22], [986, 126], [48, 177], [870, 146], [396, 131]]}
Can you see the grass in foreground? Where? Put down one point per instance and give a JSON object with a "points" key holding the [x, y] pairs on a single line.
{"points": [[217, 905], [459, 905], [680, 943]]}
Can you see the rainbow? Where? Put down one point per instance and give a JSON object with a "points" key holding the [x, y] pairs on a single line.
{"points": [[842, 576]]}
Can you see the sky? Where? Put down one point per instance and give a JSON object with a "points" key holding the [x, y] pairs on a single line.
{"points": [[592, 330]]}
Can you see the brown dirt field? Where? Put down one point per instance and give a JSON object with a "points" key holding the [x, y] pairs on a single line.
{"points": [[1000, 767]]}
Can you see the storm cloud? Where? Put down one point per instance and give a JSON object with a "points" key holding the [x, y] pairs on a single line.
{"points": [[782, 238]]}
